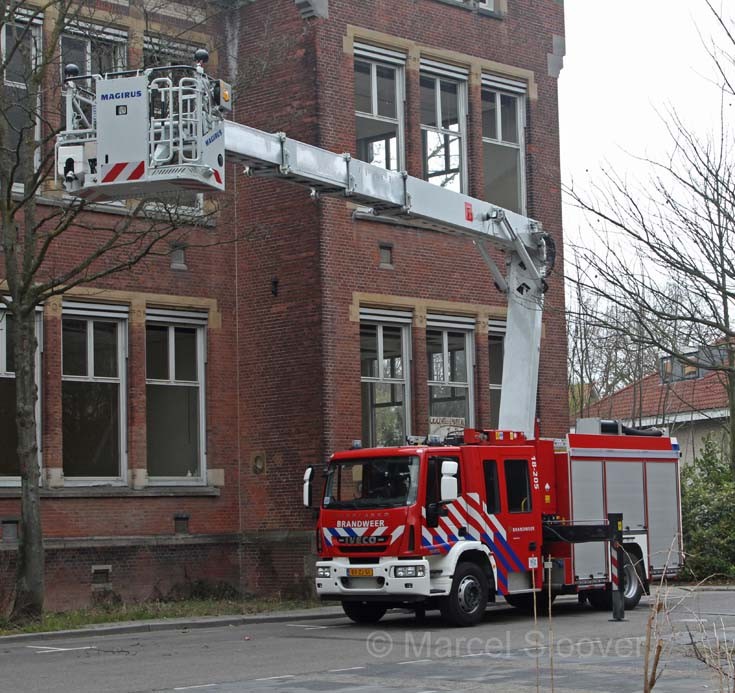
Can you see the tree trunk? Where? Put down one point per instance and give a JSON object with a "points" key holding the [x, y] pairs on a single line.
{"points": [[731, 422], [29, 586]]}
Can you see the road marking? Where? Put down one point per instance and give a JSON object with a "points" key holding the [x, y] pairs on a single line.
{"points": [[306, 626], [49, 650], [334, 671], [189, 688], [415, 661], [274, 678]]}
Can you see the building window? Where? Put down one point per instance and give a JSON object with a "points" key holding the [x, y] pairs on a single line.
{"points": [[443, 108], [94, 53], [9, 466], [448, 355], [486, 5], [384, 378], [503, 149], [496, 348], [386, 255], [93, 397], [379, 113], [19, 45], [175, 401]]}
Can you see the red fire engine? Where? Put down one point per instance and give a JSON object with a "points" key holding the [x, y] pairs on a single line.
{"points": [[453, 527], [447, 526]]}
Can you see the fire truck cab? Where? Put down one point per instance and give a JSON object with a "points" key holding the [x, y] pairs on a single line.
{"points": [[451, 527]]}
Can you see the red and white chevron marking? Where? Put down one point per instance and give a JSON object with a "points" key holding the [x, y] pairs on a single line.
{"points": [[125, 171]]}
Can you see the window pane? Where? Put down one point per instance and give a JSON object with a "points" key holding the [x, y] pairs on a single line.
{"points": [[457, 346], [172, 415], [449, 402], [156, 352], [103, 56], [74, 50], [489, 115], [9, 343], [91, 428], [383, 414], [386, 77], [19, 66], [20, 115], [509, 118], [105, 349], [428, 101], [185, 339], [495, 348], [502, 176], [450, 105], [369, 351], [392, 352], [441, 155], [517, 486], [74, 347], [495, 408], [363, 90], [8, 437], [377, 142], [435, 355], [491, 486]]}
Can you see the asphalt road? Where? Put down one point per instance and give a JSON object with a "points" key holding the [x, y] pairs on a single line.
{"points": [[582, 650]]}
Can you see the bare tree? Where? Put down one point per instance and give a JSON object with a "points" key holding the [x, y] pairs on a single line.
{"points": [[39, 222], [664, 252]]}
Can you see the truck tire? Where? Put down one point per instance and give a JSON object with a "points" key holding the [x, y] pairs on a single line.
{"points": [[364, 612], [524, 602], [632, 587], [465, 605]]}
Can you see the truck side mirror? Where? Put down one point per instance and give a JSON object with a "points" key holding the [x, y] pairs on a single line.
{"points": [[449, 489], [308, 476]]}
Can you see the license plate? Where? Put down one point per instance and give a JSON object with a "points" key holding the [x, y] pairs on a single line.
{"points": [[360, 572]]}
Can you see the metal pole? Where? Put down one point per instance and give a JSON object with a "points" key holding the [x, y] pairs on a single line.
{"points": [[617, 560]]}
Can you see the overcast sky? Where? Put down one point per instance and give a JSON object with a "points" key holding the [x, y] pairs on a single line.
{"points": [[625, 61]]}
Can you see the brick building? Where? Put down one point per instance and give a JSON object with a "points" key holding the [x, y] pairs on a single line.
{"points": [[227, 370]]}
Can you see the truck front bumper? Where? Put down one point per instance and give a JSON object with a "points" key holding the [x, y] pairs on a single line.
{"points": [[373, 581]]}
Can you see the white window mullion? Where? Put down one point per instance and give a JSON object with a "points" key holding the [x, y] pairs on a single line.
{"points": [[374, 88], [171, 353], [90, 349]]}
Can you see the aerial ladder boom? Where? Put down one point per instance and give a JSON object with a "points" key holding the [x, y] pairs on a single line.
{"points": [[141, 132]]}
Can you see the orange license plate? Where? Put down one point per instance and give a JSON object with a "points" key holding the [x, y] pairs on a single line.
{"points": [[360, 572]]}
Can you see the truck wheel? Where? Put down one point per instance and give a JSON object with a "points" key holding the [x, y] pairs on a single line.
{"points": [[465, 605], [364, 612], [632, 589]]}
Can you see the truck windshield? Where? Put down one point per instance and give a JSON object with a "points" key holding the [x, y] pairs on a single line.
{"points": [[372, 482]]}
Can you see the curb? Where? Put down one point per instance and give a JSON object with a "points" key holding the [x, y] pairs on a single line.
{"points": [[173, 624]]}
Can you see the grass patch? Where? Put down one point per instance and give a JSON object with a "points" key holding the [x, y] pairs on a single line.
{"points": [[70, 620]]}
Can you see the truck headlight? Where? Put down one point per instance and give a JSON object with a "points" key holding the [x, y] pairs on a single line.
{"points": [[408, 571], [322, 572]]}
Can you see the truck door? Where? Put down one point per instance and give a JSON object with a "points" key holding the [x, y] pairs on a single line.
{"points": [[440, 530], [520, 549]]}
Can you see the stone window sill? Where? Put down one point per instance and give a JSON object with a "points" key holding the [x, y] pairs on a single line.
{"points": [[119, 492], [471, 6]]}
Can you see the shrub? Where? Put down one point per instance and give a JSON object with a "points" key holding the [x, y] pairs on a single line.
{"points": [[708, 514]]}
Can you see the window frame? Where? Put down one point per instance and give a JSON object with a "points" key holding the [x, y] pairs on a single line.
{"points": [[492, 85], [400, 95], [201, 363], [35, 24], [461, 133], [496, 331], [15, 481], [469, 337], [381, 378], [120, 318]]}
